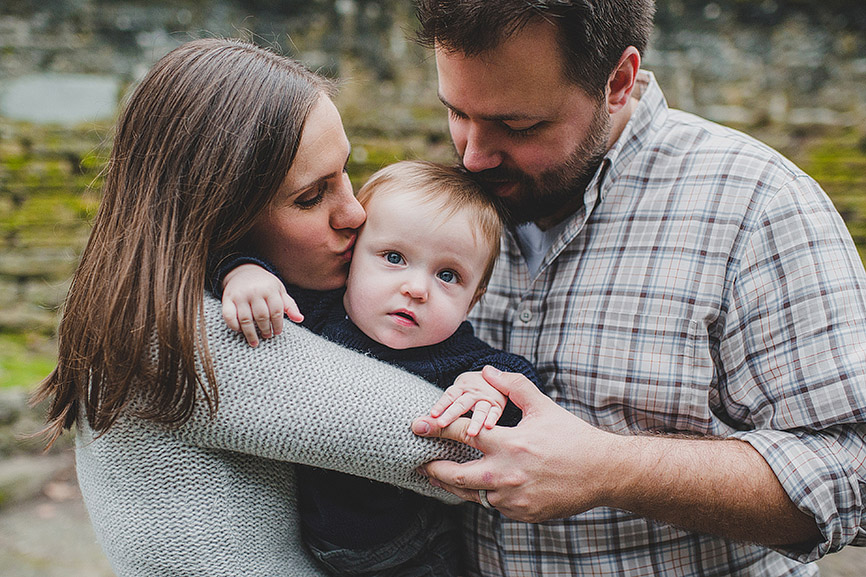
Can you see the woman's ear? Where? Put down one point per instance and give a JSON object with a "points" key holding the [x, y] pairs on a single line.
{"points": [[621, 81]]}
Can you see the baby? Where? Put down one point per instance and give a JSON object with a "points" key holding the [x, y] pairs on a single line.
{"points": [[421, 261]]}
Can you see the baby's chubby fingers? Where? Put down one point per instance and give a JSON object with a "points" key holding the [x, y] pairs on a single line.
{"points": [[276, 307], [290, 308], [492, 416], [480, 413], [230, 315], [459, 407], [276, 318], [262, 315], [450, 395], [247, 323]]}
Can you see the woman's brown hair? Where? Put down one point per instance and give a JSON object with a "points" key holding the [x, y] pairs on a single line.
{"points": [[200, 149]]}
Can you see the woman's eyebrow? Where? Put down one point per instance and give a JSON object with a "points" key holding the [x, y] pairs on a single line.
{"points": [[304, 188]]}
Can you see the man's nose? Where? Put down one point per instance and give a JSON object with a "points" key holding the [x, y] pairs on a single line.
{"points": [[480, 151]]}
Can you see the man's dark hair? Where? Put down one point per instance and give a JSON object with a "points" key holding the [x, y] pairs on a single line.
{"points": [[593, 33]]}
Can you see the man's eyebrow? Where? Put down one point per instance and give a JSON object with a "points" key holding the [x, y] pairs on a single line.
{"points": [[512, 116]]}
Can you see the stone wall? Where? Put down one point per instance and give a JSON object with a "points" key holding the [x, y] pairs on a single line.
{"points": [[784, 66], [795, 72]]}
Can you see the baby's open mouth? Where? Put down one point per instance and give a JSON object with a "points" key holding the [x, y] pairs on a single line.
{"points": [[404, 315]]}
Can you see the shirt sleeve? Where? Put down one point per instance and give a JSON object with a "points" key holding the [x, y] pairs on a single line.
{"points": [[299, 398], [794, 360]]}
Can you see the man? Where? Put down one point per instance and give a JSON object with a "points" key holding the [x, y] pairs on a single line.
{"points": [[691, 300]]}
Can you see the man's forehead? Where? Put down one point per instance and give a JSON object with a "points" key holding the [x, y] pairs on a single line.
{"points": [[505, 99], [527, 67]]}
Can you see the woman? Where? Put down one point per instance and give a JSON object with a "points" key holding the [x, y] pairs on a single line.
{"points": [[185, 435]]}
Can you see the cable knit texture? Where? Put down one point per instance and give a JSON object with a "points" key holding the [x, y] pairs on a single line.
{"points": [[216, 496]]}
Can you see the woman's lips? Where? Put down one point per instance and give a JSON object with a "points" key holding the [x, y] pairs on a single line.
{"points": [[347, 254]]}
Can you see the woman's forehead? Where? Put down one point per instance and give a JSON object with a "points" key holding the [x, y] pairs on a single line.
{"points": [[323, 148]]}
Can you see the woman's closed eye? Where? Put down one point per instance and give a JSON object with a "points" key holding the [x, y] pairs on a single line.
{"points": [[313, 196]]}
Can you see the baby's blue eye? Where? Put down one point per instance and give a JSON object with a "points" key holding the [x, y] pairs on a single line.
{"points": [[393, 257], [448, 276]]}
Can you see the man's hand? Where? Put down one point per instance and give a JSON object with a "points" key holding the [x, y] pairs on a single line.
{"points": [[554, 465], [532, 472]]}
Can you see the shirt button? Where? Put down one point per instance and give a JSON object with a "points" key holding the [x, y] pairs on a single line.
{"points": [[526, 315]]}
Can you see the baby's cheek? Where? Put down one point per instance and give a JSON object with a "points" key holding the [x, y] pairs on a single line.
{"points": [[350, 299]]}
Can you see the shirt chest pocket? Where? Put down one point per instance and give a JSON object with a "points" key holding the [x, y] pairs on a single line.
{"points": [[632, 372]]}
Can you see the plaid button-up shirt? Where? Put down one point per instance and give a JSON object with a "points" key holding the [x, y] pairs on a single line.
{"points": [[707, 286]]}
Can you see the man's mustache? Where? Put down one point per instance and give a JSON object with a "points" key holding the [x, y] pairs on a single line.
{"points": [[499, 174]]}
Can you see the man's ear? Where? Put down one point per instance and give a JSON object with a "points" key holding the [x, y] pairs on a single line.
{"points": [[621, 81]]}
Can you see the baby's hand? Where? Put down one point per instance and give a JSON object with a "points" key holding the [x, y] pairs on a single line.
{"points": [[253, 297], [470, 392]]}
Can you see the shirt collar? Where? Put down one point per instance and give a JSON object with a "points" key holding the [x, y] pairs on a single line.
{"points": [[650, 113]]}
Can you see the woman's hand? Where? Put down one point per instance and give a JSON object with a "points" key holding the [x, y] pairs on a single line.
{"points": [[470, 392], [254, 299]]}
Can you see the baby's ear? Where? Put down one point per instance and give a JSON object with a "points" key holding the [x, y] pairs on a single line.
{"points": [[478, 294]]}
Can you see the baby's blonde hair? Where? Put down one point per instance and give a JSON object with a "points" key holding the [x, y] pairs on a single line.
{"points": [[450, 189]]}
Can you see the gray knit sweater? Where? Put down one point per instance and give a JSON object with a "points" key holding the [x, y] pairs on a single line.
{"points": [[216, 497]]}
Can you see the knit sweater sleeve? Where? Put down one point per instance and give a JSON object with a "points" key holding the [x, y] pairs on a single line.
{"points": [[299, 398]]}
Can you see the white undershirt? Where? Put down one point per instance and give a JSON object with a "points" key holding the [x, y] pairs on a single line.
{"points": [[535, 243]]}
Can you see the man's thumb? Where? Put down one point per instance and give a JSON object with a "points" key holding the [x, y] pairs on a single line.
{"points": [[519, 389]]}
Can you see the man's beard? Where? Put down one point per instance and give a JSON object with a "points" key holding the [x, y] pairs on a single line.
{"points": [[558, 188]]}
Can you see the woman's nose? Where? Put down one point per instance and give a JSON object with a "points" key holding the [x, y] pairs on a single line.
{"points": [[349, 213]]}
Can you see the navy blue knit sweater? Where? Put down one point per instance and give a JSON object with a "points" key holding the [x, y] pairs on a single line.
{"points": [[358, 513]]}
